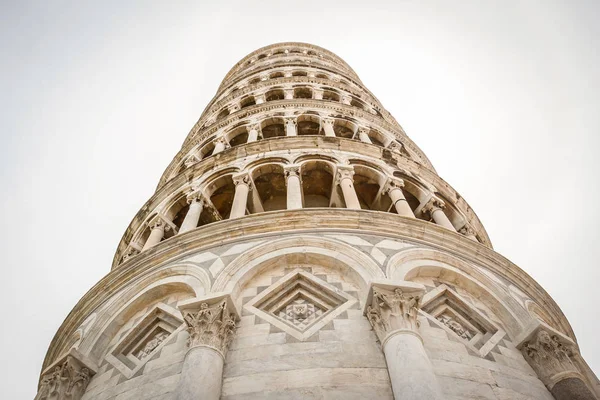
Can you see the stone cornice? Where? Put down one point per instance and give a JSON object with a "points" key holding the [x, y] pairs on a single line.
{"points": [[285, 105], [301, 221]]}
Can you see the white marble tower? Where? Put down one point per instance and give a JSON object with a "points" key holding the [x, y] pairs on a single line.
{"points": [[300, 245]]}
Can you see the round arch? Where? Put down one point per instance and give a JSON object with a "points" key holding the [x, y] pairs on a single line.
{"points": [[409, 264], [121, 306], [296, 250]]}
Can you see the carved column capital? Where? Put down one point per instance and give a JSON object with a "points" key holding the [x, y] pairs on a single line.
{"points": [[550, 356], [290, 120], [191, 160], [395, 146], [346, 99], [195, 197], [432, 205], [234, 107], [392, 184], [221, 140], [130, 252], [158, 222], [393, 308], [291, 170], [242, 178], [467, 230], [328, 121], [210, 321], [253, 127], [65, 379], [344, 172]]}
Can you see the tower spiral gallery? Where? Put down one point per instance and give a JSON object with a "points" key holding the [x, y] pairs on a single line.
{"points": [[300, 245]]}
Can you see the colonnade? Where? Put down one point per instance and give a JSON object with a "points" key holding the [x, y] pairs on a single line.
{"points": [[290, 123], [432, 208]]}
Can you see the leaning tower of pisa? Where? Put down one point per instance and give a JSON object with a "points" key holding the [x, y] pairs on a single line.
{"points": [[301, 246]]}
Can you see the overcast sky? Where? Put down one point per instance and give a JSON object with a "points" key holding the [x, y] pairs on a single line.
{"points": [[97, 98]]}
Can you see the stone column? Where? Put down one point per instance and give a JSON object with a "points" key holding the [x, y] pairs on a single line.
{"points": [[392, 309], [220, 145], [328, 126], [211, 325], [192, 217], [288, 94], [157, 231], [259, 98], [294, 188], [434, 208], [550, 355], [253, 132], [234, 108], [243, 184], [393, 188], [395, 146], [363, 135], [469, 232], [346, 99], [344, 177], [290, 126], [66, 379], [318, 94]]}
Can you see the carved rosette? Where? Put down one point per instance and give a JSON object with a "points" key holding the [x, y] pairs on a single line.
{"points": [[67, 380], [212, 326], [549, 357], [393, 310]]}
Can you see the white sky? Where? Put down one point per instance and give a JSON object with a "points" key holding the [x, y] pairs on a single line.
{"points": [[97, 98]]}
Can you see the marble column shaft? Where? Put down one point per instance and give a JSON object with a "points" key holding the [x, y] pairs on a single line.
{"points": [[240, 199], [294, 187], [394, 190], [344, 179], [193, 215], [392, 309]]}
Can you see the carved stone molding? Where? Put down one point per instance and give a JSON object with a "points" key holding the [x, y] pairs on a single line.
{"points": [[66, 379], [393, 307], [210, 321]]}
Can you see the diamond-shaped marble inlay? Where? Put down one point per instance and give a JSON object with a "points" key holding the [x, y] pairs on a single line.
{"points": [[300, 304], [301, 313]]}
